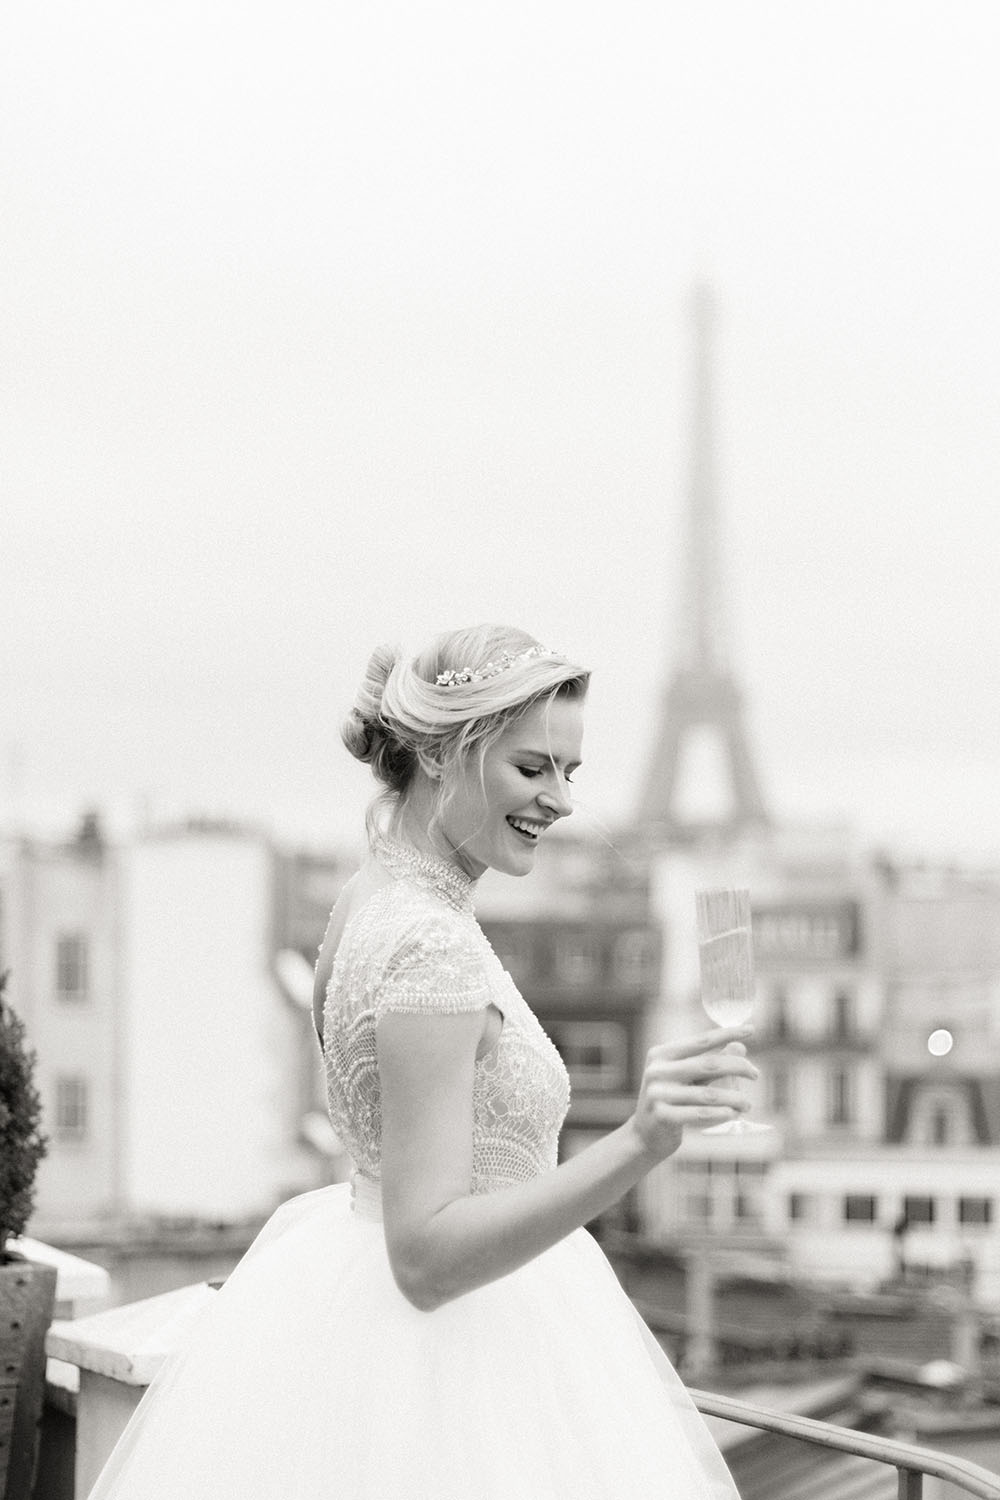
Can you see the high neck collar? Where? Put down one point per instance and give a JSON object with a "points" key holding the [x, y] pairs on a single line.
{"points": [[429, 871]]}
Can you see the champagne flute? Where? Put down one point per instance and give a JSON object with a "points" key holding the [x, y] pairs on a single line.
{"points": [[725, 953]]}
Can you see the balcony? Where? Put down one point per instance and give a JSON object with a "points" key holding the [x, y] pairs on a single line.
{"points": [[858, 1466], [773, 1454]]}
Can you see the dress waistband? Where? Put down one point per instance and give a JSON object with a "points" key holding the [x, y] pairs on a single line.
{"points": [[366, 1197]]}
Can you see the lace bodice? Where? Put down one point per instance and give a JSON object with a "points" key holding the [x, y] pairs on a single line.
{"points": [[416, 946]]}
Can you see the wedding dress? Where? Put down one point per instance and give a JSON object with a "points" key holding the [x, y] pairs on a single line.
{"points": [[311, 1377]]}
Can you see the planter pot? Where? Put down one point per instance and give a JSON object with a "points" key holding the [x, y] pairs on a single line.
{"points": [[27, 1295]]}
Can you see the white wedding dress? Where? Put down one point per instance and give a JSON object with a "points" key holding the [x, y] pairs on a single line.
{"points": [[310, 1377]]}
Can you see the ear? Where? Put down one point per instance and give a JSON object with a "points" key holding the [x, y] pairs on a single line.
{"points": [[429, 766]]}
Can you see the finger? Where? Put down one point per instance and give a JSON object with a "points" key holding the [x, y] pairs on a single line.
{"points": [[694, 1113], [722, 1067], [701, 1066], [679, 1100], [719, 1036], [729, 1099], [709, 1116]]}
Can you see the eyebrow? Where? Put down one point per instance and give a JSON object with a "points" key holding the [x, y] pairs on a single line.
{"points": [[546, 756]]}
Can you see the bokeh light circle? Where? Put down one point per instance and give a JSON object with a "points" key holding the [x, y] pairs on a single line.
{"points": [[940, 1042]]}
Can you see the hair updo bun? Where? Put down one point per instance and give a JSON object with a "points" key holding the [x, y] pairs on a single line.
{"points": [[366, 734], [450, 704]]}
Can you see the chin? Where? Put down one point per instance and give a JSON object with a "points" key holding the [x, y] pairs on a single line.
{"points": [[521, 863]]}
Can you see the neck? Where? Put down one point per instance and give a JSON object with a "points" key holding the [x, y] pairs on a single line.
{"points": [[413, 825]]}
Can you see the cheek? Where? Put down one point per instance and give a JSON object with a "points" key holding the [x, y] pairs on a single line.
{"points": [[506, 792], [468, 806], [500, 791]]}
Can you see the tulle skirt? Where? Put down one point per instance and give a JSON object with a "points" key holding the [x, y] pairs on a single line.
{"points": [[310, 1377]]}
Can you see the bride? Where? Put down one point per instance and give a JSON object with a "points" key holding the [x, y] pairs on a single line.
{"points": [[443, 1328]]}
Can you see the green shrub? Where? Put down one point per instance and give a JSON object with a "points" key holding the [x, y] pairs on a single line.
{"points": [[22, 1144]]}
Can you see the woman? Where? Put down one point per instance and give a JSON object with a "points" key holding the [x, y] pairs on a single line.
{"points": [[444, 1328]]}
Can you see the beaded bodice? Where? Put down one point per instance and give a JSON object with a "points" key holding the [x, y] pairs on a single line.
{"points": [[416, 946]]}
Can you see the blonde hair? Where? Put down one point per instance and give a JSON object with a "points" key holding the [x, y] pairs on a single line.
{"points": [[401, 714]]}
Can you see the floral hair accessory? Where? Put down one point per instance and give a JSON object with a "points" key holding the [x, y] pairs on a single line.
{"points": [[492, 668]]}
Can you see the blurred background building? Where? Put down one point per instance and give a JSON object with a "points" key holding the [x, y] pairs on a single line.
{"points": [[164, 985]]}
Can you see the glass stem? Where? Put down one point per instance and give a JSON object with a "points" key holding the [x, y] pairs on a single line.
{"points": [[733, 1080]]}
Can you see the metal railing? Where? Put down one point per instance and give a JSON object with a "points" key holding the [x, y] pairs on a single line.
{"points": [[910, 1461]]}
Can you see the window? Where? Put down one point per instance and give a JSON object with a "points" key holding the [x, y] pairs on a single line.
{"points": [[780, 1092], [71, 1108], [71, 966], [595, 1052], [631, 958], [697, 1208], [975, 1210], [941, 1117], [918, 1210], [799, 1206], [843, 1014], [748, 1202], [941, 1125], [839, 1098], [726, 1196], [695, 1193], [860, 1208], [779, 1007], [576, 959]]}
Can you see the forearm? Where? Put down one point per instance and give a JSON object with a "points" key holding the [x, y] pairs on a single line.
{"points": [[443, 1240], [477, 1238]]}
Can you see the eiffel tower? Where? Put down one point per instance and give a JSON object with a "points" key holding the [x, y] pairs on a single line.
{"points": [[702, 705]]}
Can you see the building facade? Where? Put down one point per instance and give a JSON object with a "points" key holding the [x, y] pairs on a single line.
{"points": [[877, 1014], [176, 1060], [918, 1192], [60, 941]]}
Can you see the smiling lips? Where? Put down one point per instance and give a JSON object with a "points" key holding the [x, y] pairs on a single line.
{"points": [[525, 826]]}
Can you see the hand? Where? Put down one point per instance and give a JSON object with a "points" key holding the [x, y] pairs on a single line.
{"points": [[684, 1084]]}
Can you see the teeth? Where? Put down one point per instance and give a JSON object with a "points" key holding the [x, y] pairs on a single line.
{"points": [[529, 828]]}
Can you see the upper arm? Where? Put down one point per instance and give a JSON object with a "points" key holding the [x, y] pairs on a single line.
{"points": [[426, 1071], [432, 1007]]}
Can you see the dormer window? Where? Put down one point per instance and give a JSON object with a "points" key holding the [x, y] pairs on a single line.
{"points": [[940, 1117]]}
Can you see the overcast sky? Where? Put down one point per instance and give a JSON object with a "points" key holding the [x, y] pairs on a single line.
{"points": [[325, 324]]}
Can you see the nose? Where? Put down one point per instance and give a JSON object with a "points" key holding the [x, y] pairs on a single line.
{"points": [[556, 798]]}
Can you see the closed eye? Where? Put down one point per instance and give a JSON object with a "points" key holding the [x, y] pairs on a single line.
{"points": [[532, 771]]}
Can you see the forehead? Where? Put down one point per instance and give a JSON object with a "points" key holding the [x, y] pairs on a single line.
{"points": [[553, 728]]}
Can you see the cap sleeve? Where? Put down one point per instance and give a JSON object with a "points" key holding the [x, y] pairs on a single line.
{"points": [[437, 968]]}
